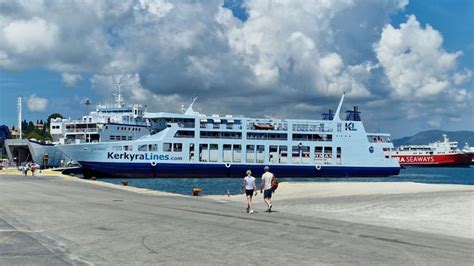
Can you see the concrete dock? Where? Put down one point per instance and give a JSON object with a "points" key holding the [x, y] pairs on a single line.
{"points": [[54, 221]]}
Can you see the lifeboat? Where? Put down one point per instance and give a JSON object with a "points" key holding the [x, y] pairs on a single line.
{"points": [[263, 126]]}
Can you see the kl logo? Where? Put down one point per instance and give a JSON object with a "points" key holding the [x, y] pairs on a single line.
{"points": [[350, 127]]}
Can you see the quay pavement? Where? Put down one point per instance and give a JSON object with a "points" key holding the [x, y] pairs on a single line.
{"points": [[50, 220]]}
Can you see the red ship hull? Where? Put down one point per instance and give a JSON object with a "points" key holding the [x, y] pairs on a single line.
{"points": [[458, 159]]}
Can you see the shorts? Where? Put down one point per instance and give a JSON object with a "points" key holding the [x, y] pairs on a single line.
{"points": [[267, 193], [249, 192]]}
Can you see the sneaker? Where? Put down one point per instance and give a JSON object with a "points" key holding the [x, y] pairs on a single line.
{"points": [[248, 209], [270, 208], [251, 211]]}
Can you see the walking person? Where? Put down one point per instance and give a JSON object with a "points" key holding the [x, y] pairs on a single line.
{"points": [[27, 168], [250, 188], [266, 187], [33, 169]]}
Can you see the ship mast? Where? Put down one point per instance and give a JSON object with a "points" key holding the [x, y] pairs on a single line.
{"points": [[190, 110], [118, 96], [338, 111]]}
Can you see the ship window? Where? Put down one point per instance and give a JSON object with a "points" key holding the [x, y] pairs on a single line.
{"points": [[327, 155], [177, 147], [260, 153], [305, 158], [152, 147], [296, 155], [142, 147], [166, 147], [283, 151], [112, 137], [203, 152], [191, 152], [338, 155], [250, 153], [127, 148], [129, 137], [116, 148], [213, 149], [236, 153], [227, 153], [184, 134], [273, 154]]}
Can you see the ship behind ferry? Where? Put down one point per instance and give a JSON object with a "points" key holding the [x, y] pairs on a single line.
{"points": [[442, 153], [191, 144]]}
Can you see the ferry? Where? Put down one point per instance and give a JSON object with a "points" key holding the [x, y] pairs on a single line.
{"points": [[191, 144], [441, 153]]}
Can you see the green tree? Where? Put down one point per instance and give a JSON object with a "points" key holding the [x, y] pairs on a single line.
{"points": [[34, 135], [30, 127], [52, 116]]}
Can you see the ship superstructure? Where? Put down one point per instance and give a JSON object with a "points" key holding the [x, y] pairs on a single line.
{"points": [[108, 122], [192, 144]]}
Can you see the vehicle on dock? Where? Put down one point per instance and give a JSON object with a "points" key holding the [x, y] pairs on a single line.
{"points": [[191, 144]]}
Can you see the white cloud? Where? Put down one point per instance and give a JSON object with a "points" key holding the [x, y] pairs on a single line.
{"points": [[415, 62], [156, 8], [36, 103], [70, 80], [30, 36], [289, 54], [461, 78]]}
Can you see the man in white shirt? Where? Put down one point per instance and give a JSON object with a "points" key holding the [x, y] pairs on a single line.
{"points": [[266, 187]]}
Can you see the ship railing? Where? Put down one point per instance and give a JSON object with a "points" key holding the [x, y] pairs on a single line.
{"points": [[186, 125], [81, 130], [221, 126]]}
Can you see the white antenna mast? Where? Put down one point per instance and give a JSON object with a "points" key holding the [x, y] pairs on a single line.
{"points": [[338, 111], [19, 117], [118, 95]]}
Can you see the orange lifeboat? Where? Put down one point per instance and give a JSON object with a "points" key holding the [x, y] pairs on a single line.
{"points": [[263, 126]]}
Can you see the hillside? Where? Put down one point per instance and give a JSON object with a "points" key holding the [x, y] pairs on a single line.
{"points": [[431, 136]]}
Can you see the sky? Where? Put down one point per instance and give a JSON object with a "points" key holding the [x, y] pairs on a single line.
{"points": [[408, 65]]}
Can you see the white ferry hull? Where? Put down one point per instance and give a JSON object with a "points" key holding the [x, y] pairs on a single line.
{"points": [[193, 170]]}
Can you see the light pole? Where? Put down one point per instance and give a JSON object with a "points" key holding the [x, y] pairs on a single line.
{"points": [[87, 102]]}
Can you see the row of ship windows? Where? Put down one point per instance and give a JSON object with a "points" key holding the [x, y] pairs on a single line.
{"points": [[252, 153], [112, 137], [277, 154], [127, 128], [253, 135]]}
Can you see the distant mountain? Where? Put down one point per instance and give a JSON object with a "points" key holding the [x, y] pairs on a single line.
{"points": [[431, 136]]}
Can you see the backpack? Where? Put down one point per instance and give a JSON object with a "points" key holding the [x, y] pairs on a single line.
{"points": [[274, 183]]}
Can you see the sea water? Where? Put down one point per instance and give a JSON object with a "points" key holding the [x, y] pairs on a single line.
{"points": [[222, 186]]}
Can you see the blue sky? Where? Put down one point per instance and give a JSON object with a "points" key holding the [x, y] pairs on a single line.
{"points": [[299, 59]]}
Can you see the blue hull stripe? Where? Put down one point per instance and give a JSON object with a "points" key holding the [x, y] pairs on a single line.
{"points": [[140, 170]]}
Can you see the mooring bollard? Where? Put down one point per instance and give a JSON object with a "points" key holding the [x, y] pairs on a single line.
{"points": [[196, 191]]}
